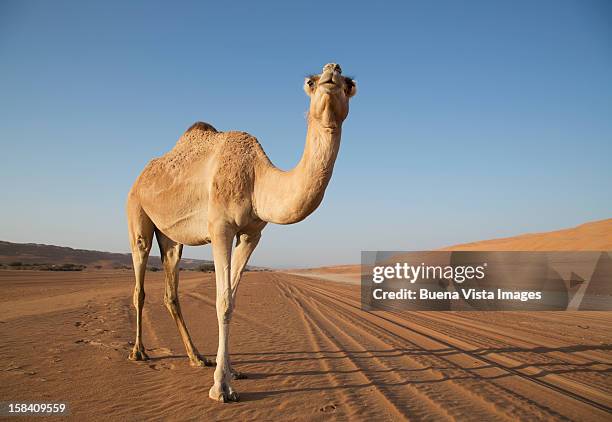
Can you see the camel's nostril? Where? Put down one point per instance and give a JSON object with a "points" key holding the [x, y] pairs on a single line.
{"points": [[334, 67]]}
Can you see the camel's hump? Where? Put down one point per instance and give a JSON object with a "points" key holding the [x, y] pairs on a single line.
{"points": [[202, 126]]}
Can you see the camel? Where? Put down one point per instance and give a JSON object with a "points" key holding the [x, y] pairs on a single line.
{"points": [[214, 187]]}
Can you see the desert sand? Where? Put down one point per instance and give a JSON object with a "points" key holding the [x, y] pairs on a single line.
{"points": [[308, 349]]}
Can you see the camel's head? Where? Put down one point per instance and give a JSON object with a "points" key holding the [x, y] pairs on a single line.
{"points": [[329, 95]]}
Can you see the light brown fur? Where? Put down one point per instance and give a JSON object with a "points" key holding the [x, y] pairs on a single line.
{"points": [[220, 186]]}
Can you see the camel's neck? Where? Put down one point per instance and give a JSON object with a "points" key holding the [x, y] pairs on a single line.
{"points": [[286, 197]]}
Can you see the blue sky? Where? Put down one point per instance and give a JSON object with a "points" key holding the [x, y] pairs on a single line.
{"points": [[473, 120]]}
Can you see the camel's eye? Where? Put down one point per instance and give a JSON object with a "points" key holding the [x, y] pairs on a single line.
{"points": [[310, 84], [351, 86]]}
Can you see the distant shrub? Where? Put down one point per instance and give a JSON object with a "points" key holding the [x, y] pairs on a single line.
{"points": [[64, 267], [153, 269], [43, 266], [205, 268]]}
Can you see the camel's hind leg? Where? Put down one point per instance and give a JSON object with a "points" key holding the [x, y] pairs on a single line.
{"points": [[141, 230], [171, 255]]}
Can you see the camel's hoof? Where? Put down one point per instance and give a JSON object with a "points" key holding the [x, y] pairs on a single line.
{"points": [[200, 362], [239, 375], [138, 354], [224, 393]]}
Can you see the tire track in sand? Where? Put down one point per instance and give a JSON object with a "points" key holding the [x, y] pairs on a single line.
{"points": [[592, 380], [439, 388], [596, 384], [550, 392], [358, 405]]}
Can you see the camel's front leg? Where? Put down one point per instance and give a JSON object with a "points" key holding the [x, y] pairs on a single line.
{"points": [[245, 246], [222, 249]]}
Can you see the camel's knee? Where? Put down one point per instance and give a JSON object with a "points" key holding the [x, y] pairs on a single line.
{"points": [[225, 309], [141, 246], [172, 304], [172, 255], [139, 297]]}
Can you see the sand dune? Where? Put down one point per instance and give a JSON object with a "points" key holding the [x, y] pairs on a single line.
{"points": [[594, 236], [309, 351]]}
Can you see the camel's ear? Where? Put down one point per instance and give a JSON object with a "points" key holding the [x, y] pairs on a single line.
{"points": [[309, 85], [351, 87]]}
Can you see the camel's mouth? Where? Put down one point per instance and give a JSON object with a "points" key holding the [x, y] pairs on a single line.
{"points": [[328, 80]]}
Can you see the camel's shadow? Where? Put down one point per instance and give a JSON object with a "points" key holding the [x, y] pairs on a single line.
{"points": [[278, 365]]}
